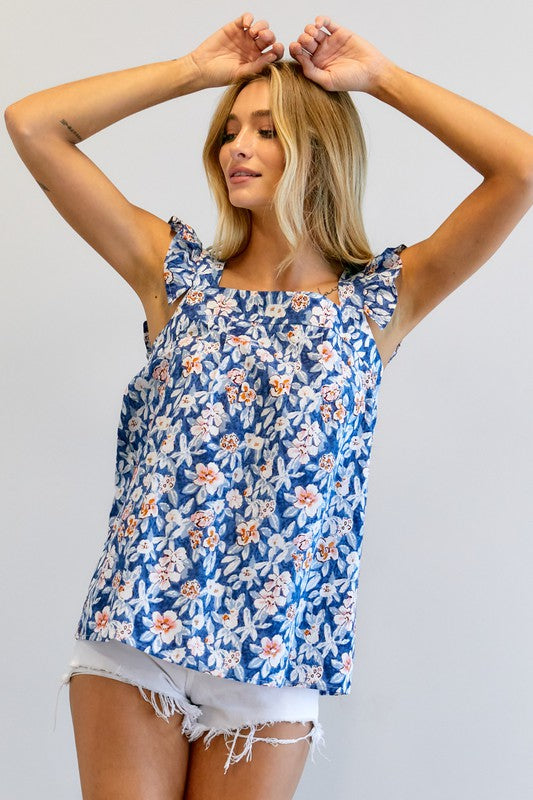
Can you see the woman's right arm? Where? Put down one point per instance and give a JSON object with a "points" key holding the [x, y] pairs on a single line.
{"points": [[46, 127]]}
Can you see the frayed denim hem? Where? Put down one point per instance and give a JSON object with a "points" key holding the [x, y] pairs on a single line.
{"points": [[168, 704], [194, 730]]}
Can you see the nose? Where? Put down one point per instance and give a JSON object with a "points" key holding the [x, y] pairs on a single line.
{"points": [[242, 143]]}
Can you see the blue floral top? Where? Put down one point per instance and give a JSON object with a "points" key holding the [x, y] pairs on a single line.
{"points": [[242, 459]]}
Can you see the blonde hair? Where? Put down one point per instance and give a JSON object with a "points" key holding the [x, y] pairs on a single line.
{"points": [[318, 198]]}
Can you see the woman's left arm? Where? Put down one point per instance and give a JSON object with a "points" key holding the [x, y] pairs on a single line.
{"points": [[500, 151]]}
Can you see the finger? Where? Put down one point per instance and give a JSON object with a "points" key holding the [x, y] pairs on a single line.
{"points": [[317, 35], [326, 22], [304, 59], [275, 53], [264, 38], [257, 27], [267, 58], [245, 20], [307, 42], [298, 52]]}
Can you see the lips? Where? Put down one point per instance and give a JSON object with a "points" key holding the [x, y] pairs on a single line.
{"points": [[242, 172]]}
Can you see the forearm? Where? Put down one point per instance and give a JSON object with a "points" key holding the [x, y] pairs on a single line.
{"points": [[489, 143], [74, 111]]}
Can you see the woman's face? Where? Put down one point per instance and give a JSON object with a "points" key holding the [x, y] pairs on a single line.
{"points": [[250, 143]]}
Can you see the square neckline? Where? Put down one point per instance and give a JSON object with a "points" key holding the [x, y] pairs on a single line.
{"points": [[280, 293]]}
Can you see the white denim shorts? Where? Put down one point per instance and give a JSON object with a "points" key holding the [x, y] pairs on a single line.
{"points": [[210, 705]]}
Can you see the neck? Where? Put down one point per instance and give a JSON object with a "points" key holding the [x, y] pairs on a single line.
{"points": [[255, 268]]}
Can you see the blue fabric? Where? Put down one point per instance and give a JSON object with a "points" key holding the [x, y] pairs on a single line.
{"points": [[244, 441]]}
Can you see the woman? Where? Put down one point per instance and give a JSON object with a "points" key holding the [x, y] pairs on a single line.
{"points": [[225, 593]]}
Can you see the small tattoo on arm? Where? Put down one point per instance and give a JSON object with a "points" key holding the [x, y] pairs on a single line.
{"points": [[46, 189], [76, 134]]}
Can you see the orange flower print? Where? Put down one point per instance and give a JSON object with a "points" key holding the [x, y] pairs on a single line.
{"points": [[102, 622], [165, 625], [308, 498], [149, 507], [340, 412], [237, 375], [291, 611], [231, 392], [194, 297], [272, 650], [243, 342], [230, 619], [247, 395], [330, 392], [280, 384], [326, 354], [229, 442], [326, 549], [212, 540], [311, 634], [191, 589], [192, 364], [195, 538], [209, 476], [298, 561], [125, 590], [327, 462], [325, 412], [299, 301], [246, 433], [202, 518], [247, 533]]}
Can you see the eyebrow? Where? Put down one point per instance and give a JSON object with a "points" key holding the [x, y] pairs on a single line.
{"points": [[262, 112]]}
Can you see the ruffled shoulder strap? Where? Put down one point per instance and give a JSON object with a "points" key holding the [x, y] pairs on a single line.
{"points": [[377, 282], [181, 260], [180, 266]]}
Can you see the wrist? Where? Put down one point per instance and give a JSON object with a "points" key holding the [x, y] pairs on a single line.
{"points": [[384, 81], [191, 77]]}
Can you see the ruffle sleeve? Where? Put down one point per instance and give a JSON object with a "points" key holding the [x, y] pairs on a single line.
{"points": [[180, 265], [181, 259], [378, 284]]}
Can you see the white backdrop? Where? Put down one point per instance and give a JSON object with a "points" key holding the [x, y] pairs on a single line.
{"points": [[442, 704]]}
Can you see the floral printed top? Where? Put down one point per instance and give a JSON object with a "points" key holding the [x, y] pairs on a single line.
{"points": [[236, 527]]}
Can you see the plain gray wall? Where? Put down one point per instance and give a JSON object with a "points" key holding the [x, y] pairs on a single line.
{"points": [[442, 704]]}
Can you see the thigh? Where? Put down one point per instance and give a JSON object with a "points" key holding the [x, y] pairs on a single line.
{"points": [[273, 772], [124, 749]]}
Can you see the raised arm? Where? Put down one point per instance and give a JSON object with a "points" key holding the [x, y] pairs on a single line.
{"points": [[500, 151], [46, 128]]}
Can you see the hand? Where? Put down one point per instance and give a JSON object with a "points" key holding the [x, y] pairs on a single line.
{"points": [[235, 50], [339, 60]]}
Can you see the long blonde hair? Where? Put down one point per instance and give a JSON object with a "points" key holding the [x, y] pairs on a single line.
{"points": [[319, 196]]}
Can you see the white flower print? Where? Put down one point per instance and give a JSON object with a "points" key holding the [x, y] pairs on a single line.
{"points": [[236, 522], [210, 476]]}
